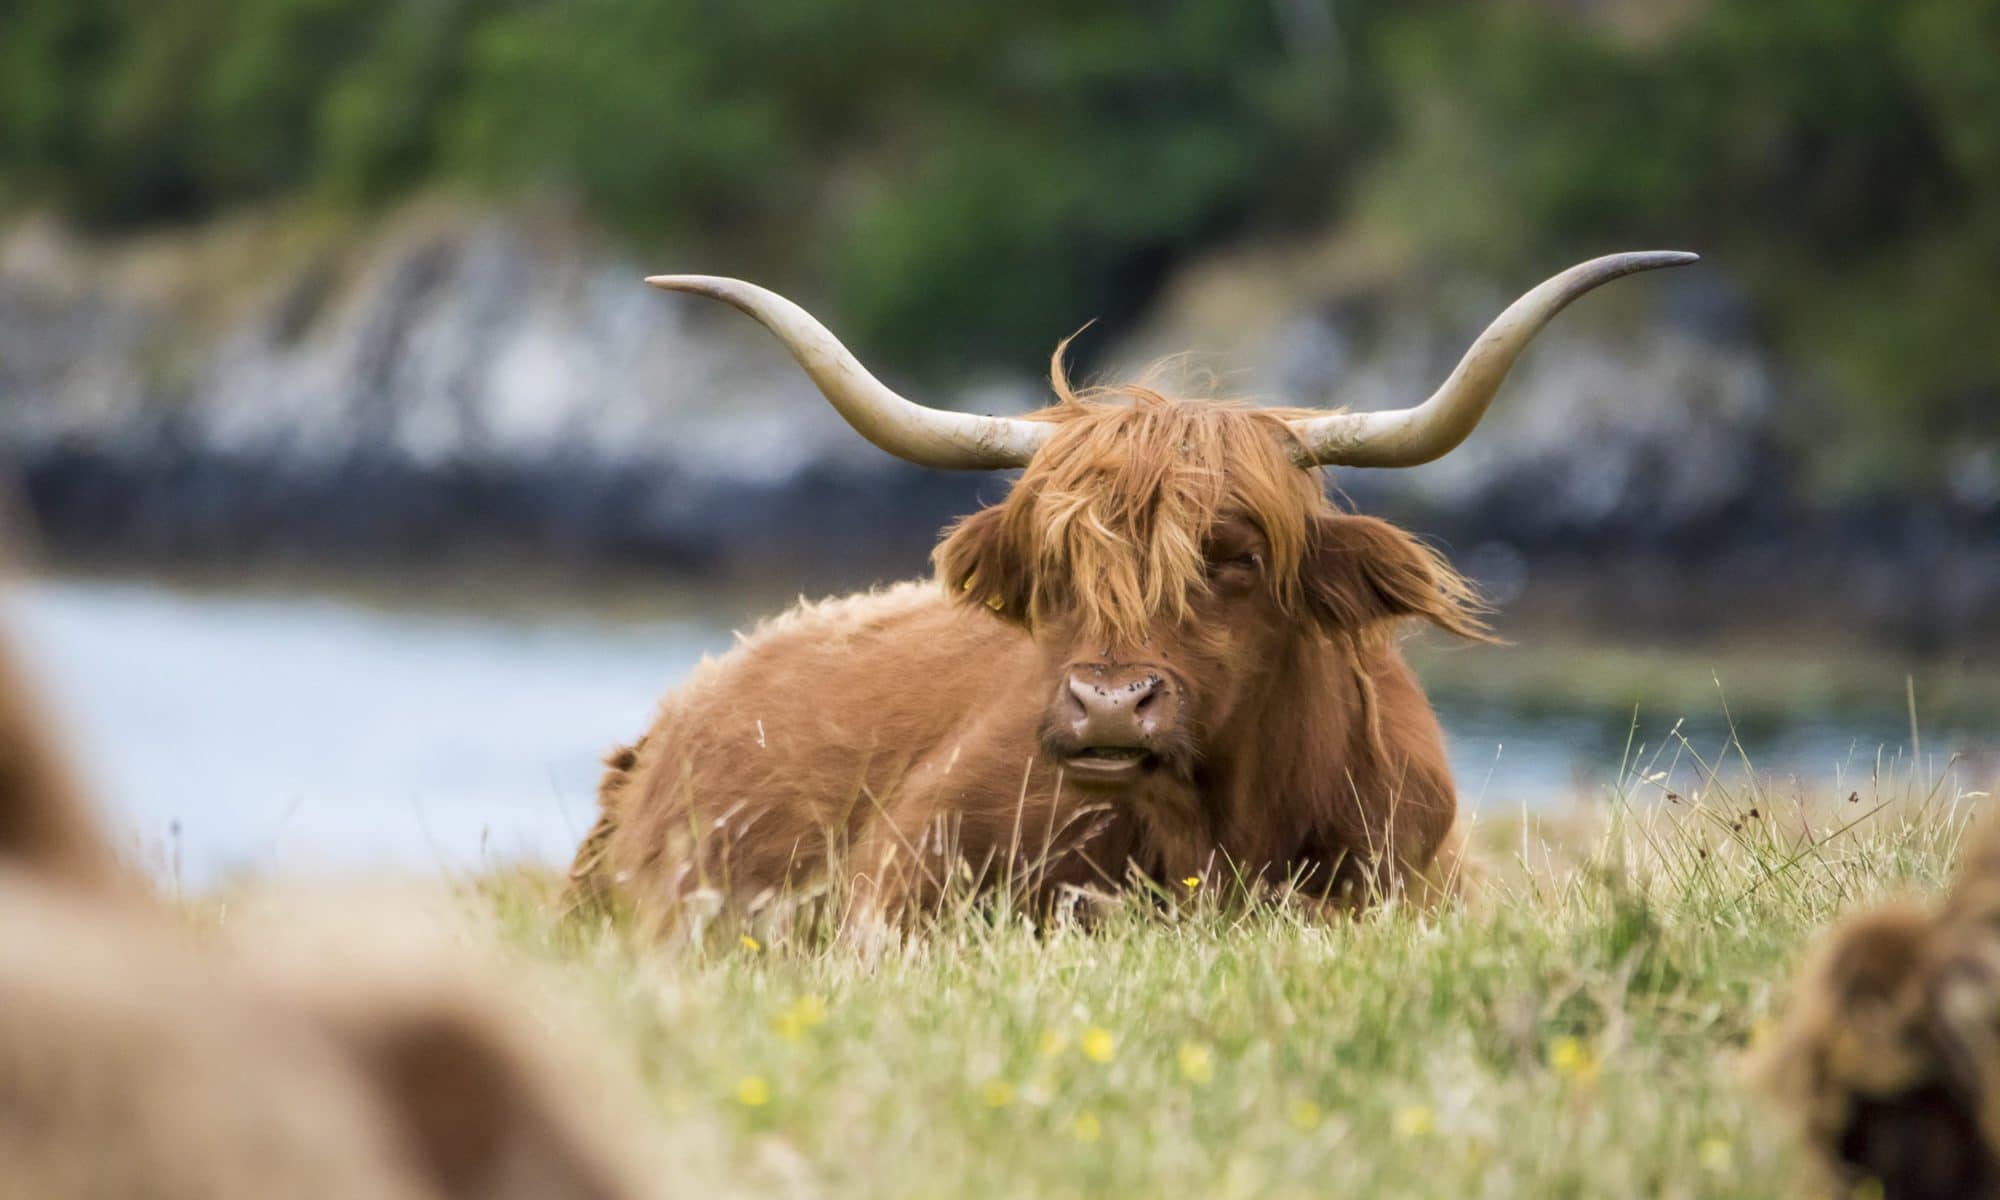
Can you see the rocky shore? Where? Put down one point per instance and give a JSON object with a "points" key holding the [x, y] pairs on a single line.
{"points": [[463, 384]]}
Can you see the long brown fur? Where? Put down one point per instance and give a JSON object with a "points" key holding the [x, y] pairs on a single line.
{"points": [[47, 827], [134, 1063], [1890, 1053], [1124, 495], [873, 742]]}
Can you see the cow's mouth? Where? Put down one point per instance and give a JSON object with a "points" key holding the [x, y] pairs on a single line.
{"points": [[1109, 764]]}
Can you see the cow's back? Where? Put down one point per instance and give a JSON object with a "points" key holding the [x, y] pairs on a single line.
{"points": [[821, 719]]}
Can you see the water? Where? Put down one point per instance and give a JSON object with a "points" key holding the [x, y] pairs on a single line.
{"points": [[279, 733], [285, 734]]}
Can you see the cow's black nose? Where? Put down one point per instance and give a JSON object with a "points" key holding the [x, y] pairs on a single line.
{"points": [[1118, 706]]}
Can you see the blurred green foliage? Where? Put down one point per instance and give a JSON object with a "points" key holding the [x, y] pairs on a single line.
{"points": [[1839, 157], [973, 180]]}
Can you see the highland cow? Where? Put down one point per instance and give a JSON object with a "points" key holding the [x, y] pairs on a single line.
{"points": [[134, 1063], [1890, 1053], [1164, 655]]}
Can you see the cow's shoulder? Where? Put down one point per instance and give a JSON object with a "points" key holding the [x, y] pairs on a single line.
{"points": [[914, 615], [883, 609]]}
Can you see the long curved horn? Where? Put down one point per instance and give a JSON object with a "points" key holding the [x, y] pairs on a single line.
{"points": [[929, 437], [1407, 436]]}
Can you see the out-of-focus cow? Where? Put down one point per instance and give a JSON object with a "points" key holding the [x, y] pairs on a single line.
{"points": [[136, 1063], [1889, 1055]]}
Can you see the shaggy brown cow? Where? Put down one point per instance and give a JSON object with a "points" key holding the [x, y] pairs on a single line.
{"points": [[133, 1063], [1164, 652], [1890, 1054]]}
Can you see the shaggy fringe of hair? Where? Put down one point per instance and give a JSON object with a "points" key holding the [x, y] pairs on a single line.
{"points": [[1126, 491], [1113, 514]]}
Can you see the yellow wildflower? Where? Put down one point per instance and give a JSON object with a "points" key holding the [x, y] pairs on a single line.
{"points": [[1088, 1128], [1303, 1114], [750, 943], [804, 1013], [1413, 1120], [1715, 1154], [1197, 1062], [1191, 882], [997, 1093], [1098, 1044], [752, 1091], [1572, 1060]]}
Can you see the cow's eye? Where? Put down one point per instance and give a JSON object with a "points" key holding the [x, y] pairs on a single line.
{"points": [[1236, 564]]}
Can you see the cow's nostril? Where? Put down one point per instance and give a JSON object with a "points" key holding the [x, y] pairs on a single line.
{"points": [[1115, 706]]}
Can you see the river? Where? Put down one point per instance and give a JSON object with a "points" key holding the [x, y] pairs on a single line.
{"points": [[265, 732]]}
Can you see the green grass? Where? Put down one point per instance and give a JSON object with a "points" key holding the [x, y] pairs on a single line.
{"points": [[1579, 1028]]}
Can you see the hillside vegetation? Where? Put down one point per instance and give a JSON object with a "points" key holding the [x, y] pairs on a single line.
{"points": [[971, 182]]}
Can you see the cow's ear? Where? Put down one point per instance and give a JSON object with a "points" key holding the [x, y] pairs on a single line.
{"points": [[982, 561], [1360, 572]]}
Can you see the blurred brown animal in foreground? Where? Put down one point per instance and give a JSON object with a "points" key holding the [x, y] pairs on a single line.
{"points": [[44, 824], [133, 1063], [1890, 1054], [1164, 653]]}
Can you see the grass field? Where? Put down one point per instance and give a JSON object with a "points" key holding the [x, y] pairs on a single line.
{"points": [[1579, 1028]]}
